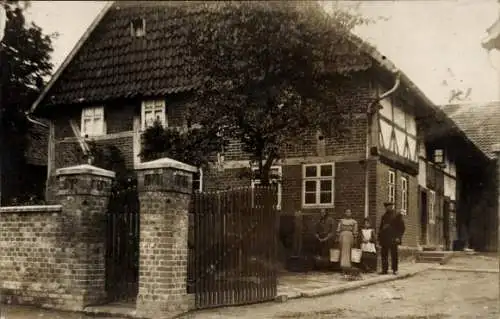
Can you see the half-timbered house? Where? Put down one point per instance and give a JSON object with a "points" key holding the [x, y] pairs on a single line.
{"points": [[118, 77]]}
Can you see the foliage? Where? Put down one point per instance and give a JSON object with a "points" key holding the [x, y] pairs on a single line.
{"points": [[24, 63], [270, 70], [124, 189], [195, 146]]}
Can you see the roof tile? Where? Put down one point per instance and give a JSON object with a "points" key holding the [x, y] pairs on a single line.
{"points": [[479, 121], [112, 63]]}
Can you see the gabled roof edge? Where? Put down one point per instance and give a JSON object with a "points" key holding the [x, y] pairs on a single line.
{"points": [[71, 55]]}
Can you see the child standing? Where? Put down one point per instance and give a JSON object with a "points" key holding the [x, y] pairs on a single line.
{"points": [[368, 248]]}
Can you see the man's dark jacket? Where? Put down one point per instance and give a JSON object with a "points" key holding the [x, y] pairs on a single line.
{"points": [[392, 227]]}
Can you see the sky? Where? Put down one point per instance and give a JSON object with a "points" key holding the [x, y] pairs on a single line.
{"points": [[436, 43]]}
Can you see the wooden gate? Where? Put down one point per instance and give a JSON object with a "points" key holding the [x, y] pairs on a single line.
{"points": [[233, 247], [122, 245]]}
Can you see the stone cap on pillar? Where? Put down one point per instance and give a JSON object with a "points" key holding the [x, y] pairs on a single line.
{"points": [[85, 169], [165, 175], [167, 163], [84, 180]]}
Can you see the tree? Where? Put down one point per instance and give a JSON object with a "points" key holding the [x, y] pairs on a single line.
{"points": [[195, 146], [25, 63], [269, 72]]}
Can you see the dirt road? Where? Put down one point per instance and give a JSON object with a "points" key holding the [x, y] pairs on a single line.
{"points": [[433, 294]]}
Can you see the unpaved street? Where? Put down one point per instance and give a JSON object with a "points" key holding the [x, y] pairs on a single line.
{"points": [[433, 294]]}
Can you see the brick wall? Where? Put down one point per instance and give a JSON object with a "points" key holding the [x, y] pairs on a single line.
{"points": [[120, 117], [412, 219], [349, 193], [34, 260], [53, 256], [353, 142]]}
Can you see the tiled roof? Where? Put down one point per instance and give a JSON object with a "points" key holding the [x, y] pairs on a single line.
{"points": [[111, 63], [479, 121]]}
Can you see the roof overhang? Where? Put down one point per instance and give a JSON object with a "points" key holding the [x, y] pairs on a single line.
{"points": [[71, 55]]}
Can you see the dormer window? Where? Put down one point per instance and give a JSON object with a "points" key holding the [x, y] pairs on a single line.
{"points": [[138, 27]]}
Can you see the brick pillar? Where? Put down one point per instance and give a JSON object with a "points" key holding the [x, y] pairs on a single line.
{"points": [[83, 192], [165, 187]]}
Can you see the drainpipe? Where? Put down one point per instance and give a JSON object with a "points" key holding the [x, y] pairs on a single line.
{"points": [[372, 112], [28, 116]]}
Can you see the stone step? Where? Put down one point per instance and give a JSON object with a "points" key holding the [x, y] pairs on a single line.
{"points": [[440, 257], [429, 259], [434, 253]]}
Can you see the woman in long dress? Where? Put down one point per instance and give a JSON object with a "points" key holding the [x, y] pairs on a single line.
{"points": [[347, 232]]}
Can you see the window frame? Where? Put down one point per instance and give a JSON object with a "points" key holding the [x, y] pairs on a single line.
{"points": [[257, 181], [432, 207], [200, 179], [157, 104], [404, 194], [318, 178], [441, 156], [92, 117], [391, 186]]}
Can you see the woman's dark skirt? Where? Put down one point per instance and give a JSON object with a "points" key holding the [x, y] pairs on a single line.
{"points": [[369, 262]]}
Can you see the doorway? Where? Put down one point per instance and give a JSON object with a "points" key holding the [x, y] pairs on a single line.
{"points": [[424, 218]]}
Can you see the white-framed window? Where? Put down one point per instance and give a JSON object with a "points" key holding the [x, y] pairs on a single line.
{"points": [[275, 173], [93, 121], [432, 206], [391, 187], [318, 184], [153, 110], [404, 195], [198, 181]]}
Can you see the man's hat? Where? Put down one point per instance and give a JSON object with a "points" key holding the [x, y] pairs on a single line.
{"points": [[388, 204]]}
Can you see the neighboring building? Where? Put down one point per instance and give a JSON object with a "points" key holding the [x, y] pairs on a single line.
{"points": [[24, 181], [481, 123], [130, 68]]}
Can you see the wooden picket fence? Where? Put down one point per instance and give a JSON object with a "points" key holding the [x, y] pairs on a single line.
{"points": [[233, 247]]}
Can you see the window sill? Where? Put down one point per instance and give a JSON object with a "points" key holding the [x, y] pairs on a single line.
{"points": [[100, 137], [313, 206]]}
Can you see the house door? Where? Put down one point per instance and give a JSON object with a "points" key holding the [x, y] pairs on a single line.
{"points": [[446, 223], [424, 217]]}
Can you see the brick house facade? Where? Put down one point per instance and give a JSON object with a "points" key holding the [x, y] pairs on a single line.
{"points": [[114, 81]]}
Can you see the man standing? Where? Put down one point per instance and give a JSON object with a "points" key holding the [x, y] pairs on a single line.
{"points": [[392, 228]]}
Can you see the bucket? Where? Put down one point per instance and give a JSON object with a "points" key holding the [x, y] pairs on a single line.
{"points": [[334, 255], [356, 255]]}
